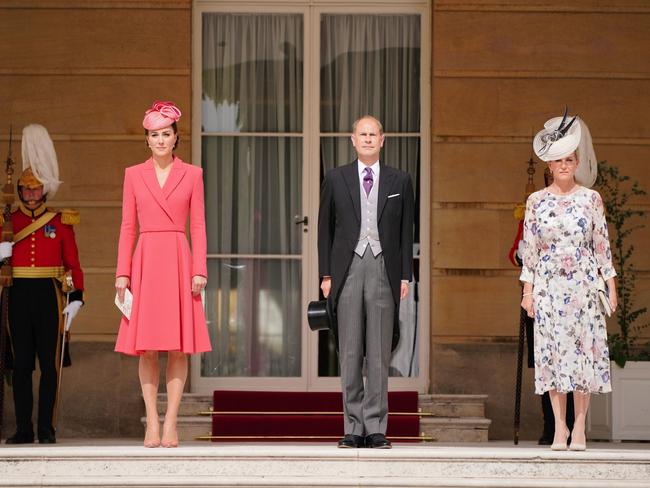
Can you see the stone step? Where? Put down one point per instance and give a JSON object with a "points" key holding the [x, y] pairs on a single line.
{"points": [[448, 429], [189, 427], [192, 404], [442, 429], [457, 418], [125, 463], [441, 405], [453, 405]]}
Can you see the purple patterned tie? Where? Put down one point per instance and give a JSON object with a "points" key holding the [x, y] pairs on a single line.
{"points": [[367, 180]]}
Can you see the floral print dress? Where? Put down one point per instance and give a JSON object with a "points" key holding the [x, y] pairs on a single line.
{"points": [[566, 245]]}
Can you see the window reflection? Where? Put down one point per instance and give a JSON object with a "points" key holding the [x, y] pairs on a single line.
{"points": [[253, 313], [252, 72], [253, 188]]}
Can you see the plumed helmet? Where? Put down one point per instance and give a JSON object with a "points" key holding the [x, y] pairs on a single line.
{"points": [[39, 156]]}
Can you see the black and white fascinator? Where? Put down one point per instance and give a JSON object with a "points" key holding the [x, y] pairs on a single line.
{"points": [[564, 135]]}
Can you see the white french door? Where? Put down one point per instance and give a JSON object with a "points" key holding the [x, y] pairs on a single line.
{"points": [[275, 90]]}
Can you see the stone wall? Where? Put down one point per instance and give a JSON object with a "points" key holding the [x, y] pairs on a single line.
{"points": [[501, 68]]}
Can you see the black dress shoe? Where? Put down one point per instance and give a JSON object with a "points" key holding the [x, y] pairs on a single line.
{"points": [[378, 441], [47, 439], [47, 436], [351, 440], [20, 438]]}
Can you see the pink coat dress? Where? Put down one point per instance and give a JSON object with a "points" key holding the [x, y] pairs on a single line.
{"points": [[165, 315]]}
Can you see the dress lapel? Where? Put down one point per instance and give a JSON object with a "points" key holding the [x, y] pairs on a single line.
{"points": [[175, 176], [386, 177], [149, 177], [351, 177]]}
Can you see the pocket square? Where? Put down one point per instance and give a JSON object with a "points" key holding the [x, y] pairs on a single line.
{"points": [[393, 195]]}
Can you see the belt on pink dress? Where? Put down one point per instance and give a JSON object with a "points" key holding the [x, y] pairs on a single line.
{"points": [[163, 229]]}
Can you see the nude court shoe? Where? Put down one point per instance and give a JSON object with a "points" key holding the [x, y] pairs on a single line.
{"points": [[560, 446], [152, 436], [577, 446]]}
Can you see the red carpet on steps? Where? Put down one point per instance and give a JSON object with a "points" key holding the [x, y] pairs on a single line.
{"points": [[293, 416]]}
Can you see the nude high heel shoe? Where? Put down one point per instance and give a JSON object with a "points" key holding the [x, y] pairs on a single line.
{"points": [[152, 434], [578, 446], [560, 446], [170, 437]]}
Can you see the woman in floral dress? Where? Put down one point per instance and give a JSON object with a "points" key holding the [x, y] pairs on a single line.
{"points": [[566, 247]]}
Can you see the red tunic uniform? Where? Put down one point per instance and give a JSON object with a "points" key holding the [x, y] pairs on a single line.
{"points": [[51, 246], [40, 260]]}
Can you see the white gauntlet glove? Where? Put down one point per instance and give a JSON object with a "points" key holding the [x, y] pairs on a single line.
{"points": [[71, 312], [6, 249]]}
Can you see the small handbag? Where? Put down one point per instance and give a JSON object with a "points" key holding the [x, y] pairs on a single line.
{"points": [[603, 295]]}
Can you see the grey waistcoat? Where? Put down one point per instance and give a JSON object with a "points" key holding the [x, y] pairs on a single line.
{"points": [[369, 234]]}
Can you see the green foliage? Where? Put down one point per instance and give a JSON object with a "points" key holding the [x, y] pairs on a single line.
{"points": [[617, 190]]}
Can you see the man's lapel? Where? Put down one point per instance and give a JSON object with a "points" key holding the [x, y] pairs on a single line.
{"points": [[148, 174], [351, 177], [386, 177]]}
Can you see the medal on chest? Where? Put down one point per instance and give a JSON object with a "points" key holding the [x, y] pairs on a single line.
{"points": [[50, 231]]}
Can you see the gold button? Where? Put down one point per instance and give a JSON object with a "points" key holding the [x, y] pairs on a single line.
{"points": [[33, 220], [33, 233], [33, 238], [33, 265], [33, 245], [33, 252], [33, 259]]}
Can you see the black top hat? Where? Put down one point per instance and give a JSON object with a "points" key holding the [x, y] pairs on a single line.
{"points": [[318, 315]]}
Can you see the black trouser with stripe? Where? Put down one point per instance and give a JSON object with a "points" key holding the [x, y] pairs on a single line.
{"points": [[34, 327]]}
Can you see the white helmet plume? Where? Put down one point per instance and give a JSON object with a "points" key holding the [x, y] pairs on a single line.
{"points": [[39, 154]]}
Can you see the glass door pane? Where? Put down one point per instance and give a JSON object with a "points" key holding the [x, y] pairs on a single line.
{"points": [[252, 77], [252, 156], [253, 306], [370, 64]]}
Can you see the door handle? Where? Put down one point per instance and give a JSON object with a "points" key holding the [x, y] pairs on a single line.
{"points": [[304, 220]]}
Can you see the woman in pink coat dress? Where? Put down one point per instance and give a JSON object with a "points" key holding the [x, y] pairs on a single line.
{"points": [[165, 277]]}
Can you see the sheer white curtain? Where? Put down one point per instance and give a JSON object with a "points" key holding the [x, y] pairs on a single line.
{"points": [[255, 61], [252, 82], [370, 64]]}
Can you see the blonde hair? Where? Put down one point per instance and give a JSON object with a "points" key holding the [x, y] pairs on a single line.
{"points": [[370, 117]]}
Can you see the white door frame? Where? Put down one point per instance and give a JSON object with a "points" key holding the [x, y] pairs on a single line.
{"points": [[311, 11]]}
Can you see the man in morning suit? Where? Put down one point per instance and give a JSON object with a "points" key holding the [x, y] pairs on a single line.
{"points": [[365, 254]]}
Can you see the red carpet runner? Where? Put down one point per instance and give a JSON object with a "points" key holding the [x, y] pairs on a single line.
{"points": [[270, 416]]}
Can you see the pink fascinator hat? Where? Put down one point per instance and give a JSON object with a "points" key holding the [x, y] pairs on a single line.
{"points": [[161, 114]]}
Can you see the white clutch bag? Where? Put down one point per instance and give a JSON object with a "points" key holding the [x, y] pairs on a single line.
{"points": [[125, 307], [603, 295]]}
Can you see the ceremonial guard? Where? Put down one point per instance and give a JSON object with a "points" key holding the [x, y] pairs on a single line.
{"points": [[42, 300]]}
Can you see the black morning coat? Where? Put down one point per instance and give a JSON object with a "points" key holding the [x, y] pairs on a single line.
{"points": [[339, 228]]}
